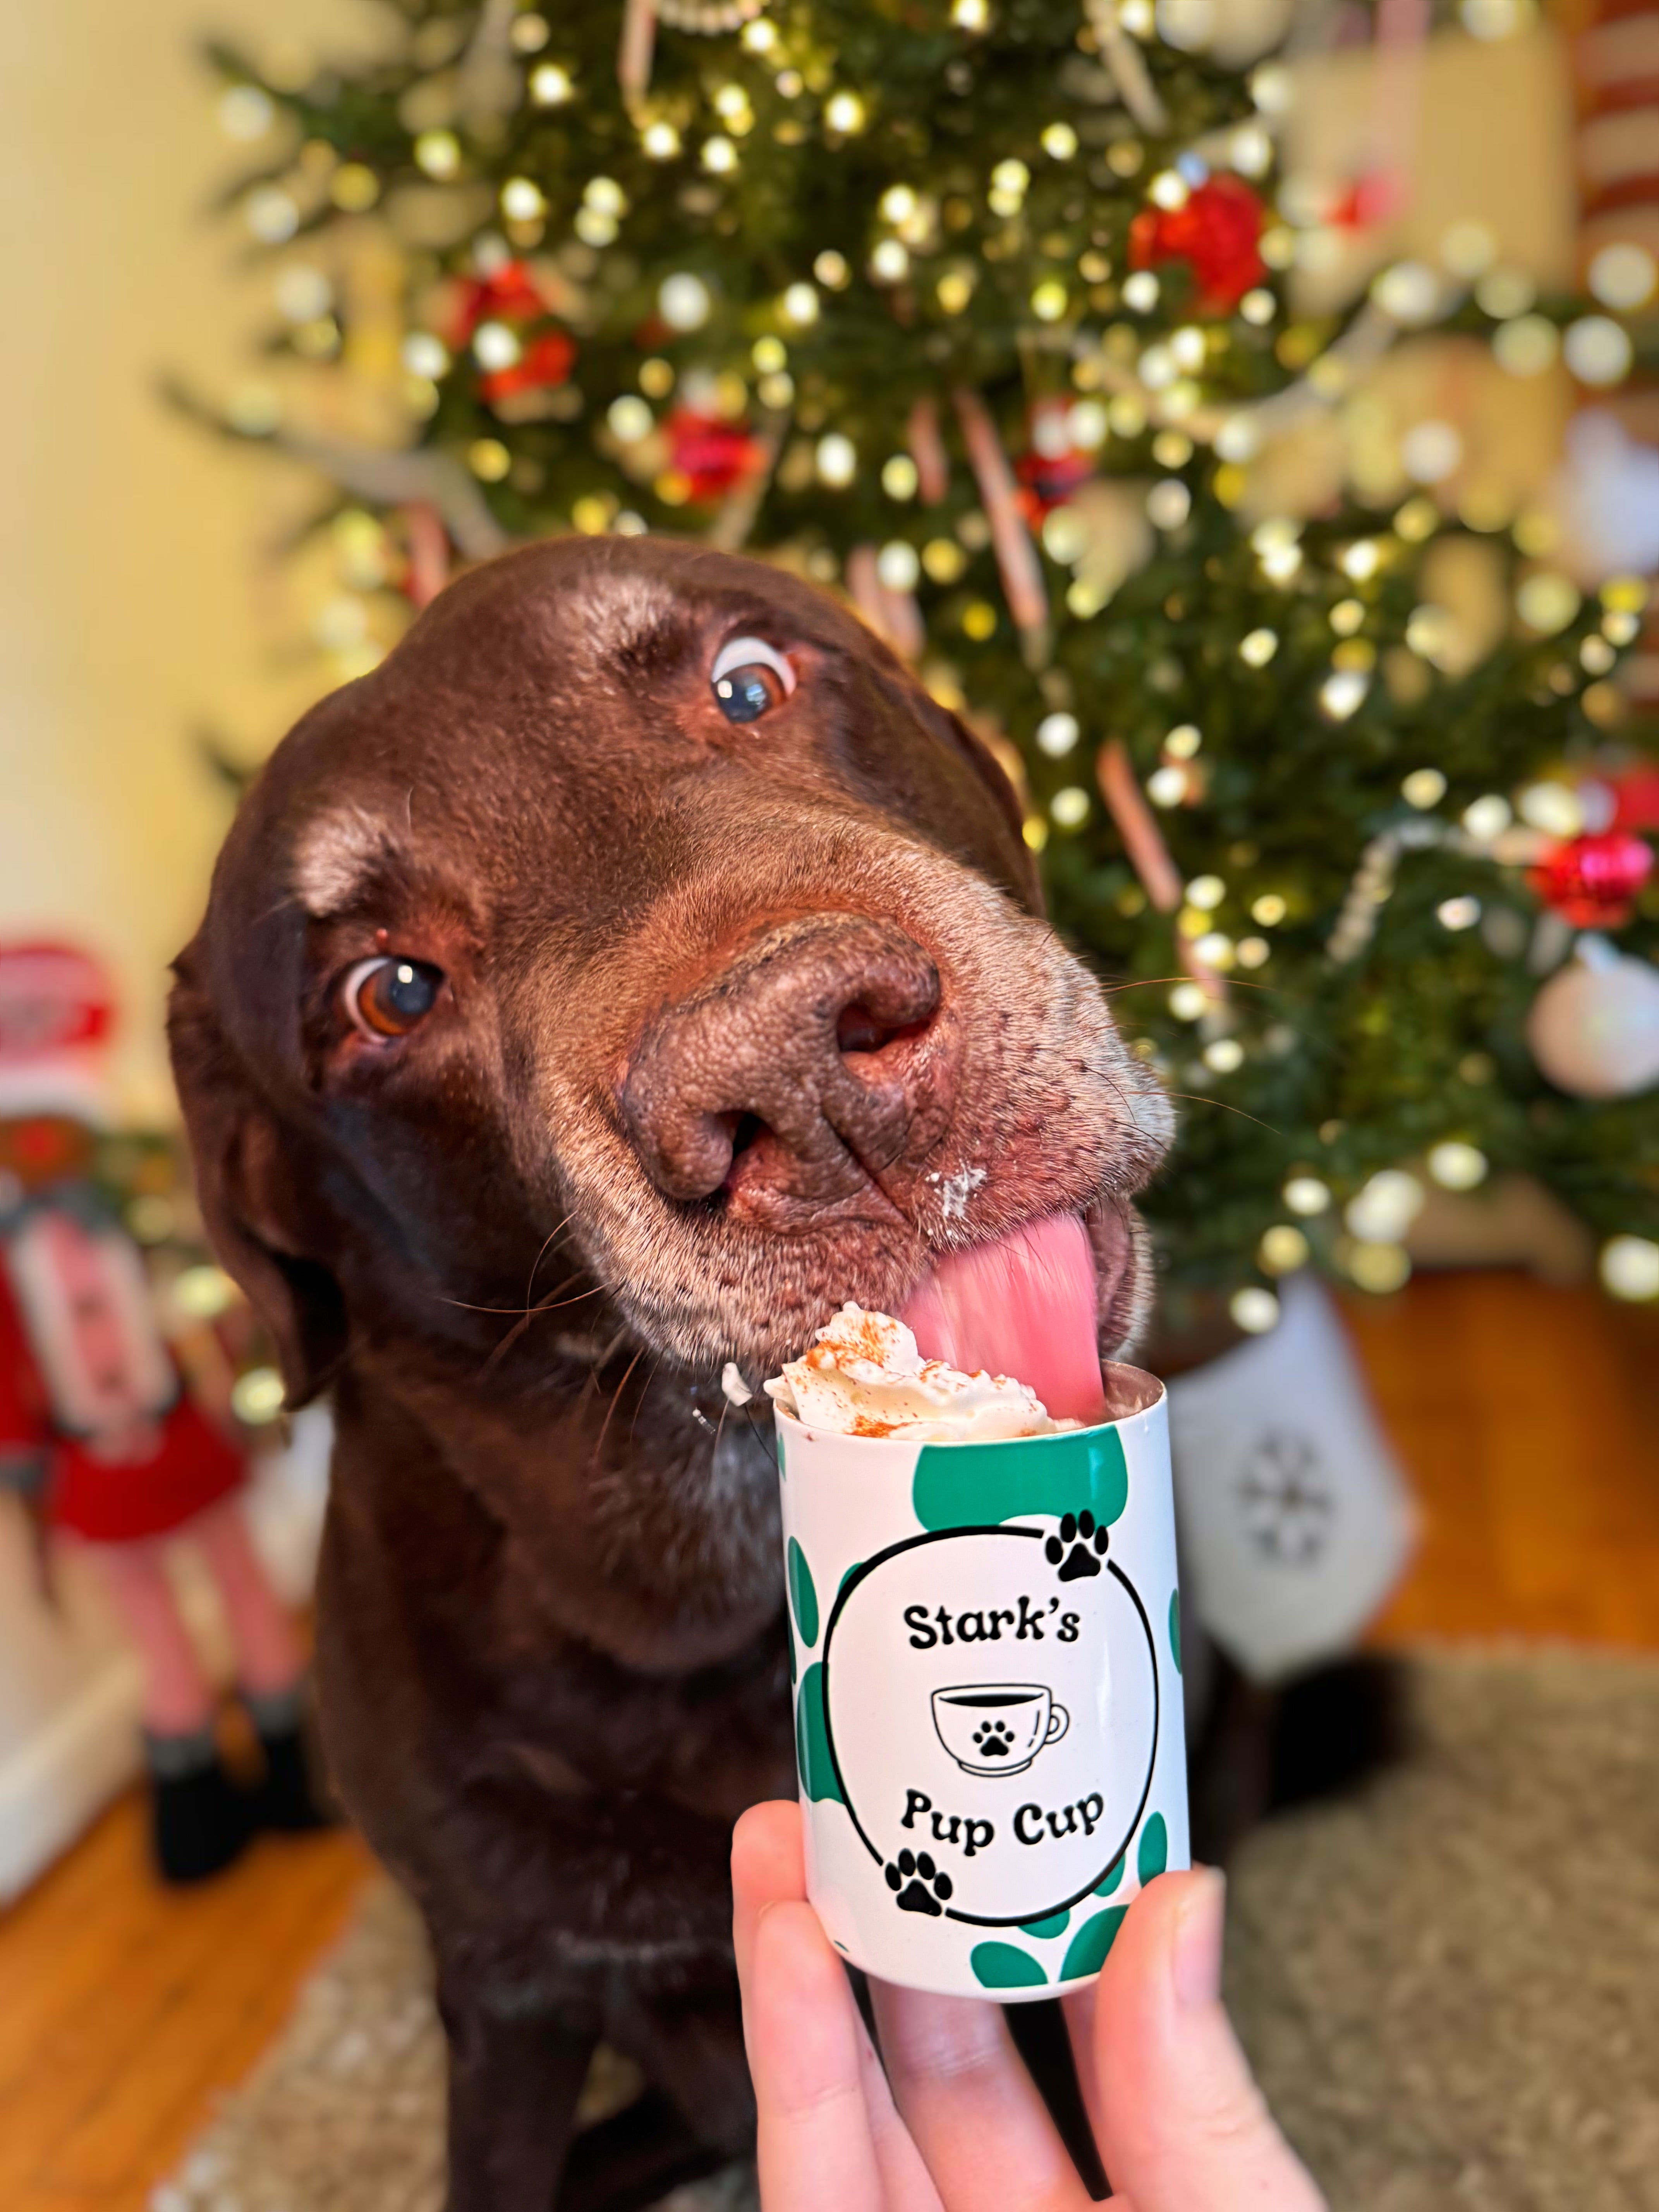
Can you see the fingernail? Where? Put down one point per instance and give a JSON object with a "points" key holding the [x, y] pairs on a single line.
{"points": [[1195, 1965]]}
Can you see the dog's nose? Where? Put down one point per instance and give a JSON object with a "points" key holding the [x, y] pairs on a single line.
{"points": [[799, 1071]]}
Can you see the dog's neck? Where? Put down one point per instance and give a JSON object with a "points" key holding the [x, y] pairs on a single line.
{"points": [[639, 1519]]}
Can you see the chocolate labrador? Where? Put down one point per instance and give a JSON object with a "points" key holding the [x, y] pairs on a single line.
{"points": [[636, 965]]}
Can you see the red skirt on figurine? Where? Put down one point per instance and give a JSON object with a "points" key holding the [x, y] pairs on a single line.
{"points": [[90, 1393], [124, 1501]]}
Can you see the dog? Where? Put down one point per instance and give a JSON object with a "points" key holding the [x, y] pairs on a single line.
{"points": [[636, 965]]}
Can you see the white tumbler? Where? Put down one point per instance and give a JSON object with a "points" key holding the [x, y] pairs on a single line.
{"points": [[986, 1644]]}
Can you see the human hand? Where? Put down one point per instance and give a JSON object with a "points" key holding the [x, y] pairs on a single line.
{"points": [[952, 2121]]}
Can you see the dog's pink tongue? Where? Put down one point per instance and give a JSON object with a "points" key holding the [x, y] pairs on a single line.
{"points": [[1023, 1306]]}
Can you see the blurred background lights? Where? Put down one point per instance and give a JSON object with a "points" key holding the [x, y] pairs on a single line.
{"points": [[1205, 893], [1056, 734], [1060, 142], [1383, 1211], [1269, 909], [1409, 292], [898, 567], [1169, 504], [890, 263], [799, 304], [1379, 1268], [630, 418], [1254, 1310], [1468, 248], [1257, 648], [1455, 1165], [1342, 693], [495, 346], [684, 302], [661, 140], [900, 477], [1189, 1002], [720, 155], [1455, 914], [522, 200], [550, 86], [1598, 350], [1630, 1266], [438, 154], [270, 214], [257, 1396], [203, 1293], [1141, 291], [1225, 1055], [1423, 788], [1430, 451], [246, 113], [1547, 602], [1183, 741], [1282, 1248], [1488, 817], [1527, 345], [1070, 807], [1167, 786], [836, 460], [1307, 1196], [844, 112], [1623, 274], [831, 270], [1553, 808]]}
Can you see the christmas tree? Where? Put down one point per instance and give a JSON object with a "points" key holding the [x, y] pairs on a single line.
{"points": [[990, 314]]}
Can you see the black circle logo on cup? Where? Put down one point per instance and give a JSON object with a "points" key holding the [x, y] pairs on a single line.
{"points": [[994, 1716]]}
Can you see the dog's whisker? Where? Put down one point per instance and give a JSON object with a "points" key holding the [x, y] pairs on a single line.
{"points": [[547, 1305], [616, 1399], [530, 1287], [1199, 1098]]}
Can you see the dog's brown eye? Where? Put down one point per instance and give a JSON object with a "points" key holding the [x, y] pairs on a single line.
{"points": [[749, 676], [388, 996]]}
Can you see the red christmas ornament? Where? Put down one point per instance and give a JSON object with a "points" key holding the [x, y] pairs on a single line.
{"points": [[1051, 468], [1635, 799], [1217, 231], [509, 295], [712, 455], [1592, 881]]}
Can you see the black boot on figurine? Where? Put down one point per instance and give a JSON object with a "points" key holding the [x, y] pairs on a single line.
{"points": [[201, 1822], [289, 1800]]}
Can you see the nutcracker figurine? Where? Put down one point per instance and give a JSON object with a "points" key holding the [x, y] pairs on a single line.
{"points": [[99, 1433]]}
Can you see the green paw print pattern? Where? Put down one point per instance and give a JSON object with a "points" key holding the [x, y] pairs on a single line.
{"points": [[1174, 1628], [1153, 1854], [803, 1594], [1086, 1952], [981, 1489], [1006, 1966], [817, 1771]]}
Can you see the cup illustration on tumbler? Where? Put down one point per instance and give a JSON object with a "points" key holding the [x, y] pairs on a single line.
{"points": [[997, 1727]]}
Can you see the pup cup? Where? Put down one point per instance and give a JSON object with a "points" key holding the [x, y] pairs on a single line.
{"points": [[986, 1644]]}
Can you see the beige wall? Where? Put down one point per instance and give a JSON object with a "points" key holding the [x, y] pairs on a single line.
{"points": [[135, 603]]}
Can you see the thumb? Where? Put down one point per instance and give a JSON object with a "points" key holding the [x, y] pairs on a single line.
{"points": [[1182, 2126]]}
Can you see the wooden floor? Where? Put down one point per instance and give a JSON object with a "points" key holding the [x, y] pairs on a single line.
{"points": [[1529, 1419]]}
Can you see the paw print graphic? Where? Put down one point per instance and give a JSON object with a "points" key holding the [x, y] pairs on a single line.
{"points": [[919, 1884], [1086, 1541], [994, 1740], [1286, 1504]]}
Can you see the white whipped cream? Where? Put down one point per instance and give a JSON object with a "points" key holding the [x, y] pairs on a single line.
{"points": [[865, 1377]]}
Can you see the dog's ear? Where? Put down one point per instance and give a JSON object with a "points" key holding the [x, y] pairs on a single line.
{"points": [[997, 765], [257, 1191]]}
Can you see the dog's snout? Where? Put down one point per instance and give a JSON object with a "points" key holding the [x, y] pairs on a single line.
{"points": [[808, 1065]]}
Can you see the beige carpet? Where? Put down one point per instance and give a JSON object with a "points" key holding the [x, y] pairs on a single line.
{"points": [[1449, 1986]]}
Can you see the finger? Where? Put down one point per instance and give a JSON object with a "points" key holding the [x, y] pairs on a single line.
{"points": [[1078, 2008], [814, 2148], [907, 2185], [972, 2109], [768, 1867], [1183, 2127]]}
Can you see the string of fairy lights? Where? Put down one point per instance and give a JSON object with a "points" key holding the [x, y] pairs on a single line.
{"points": [[585, 338]]}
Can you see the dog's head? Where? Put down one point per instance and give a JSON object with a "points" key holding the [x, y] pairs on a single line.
{"points": [[639, 942]]}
